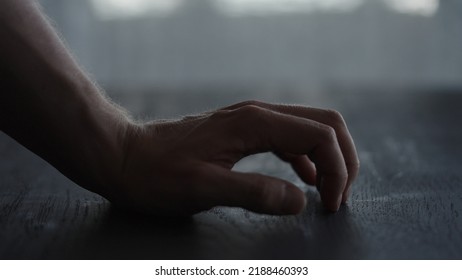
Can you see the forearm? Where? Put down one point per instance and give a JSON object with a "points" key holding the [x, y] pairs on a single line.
{"points": [[49, 105]]}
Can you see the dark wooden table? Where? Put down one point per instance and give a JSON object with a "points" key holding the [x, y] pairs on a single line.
{"points": [[407, 201]]}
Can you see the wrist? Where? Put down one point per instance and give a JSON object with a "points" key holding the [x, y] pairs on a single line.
{"points": [[108, 132]]}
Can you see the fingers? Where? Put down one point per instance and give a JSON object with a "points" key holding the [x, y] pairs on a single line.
{"points": [[255, 192], [328, 117], [302, 165], [261, 130]]}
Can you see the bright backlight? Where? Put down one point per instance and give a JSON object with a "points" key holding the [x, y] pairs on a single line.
{"points": [[116, 9], [267, 7], [421, 7]]}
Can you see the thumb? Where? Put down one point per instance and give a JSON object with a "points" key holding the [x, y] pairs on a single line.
{"points": [[257, 192]]}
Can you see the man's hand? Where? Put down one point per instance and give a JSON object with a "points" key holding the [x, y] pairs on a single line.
{"points": [[49, 105], [184, 166]]}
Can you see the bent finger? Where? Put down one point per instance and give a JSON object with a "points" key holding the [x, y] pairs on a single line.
{"points": [[302, 165], [328, 117], [265, 130]]}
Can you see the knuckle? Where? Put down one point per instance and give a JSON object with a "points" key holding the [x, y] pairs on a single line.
{"points": [[251, 114], [334, 118], [250, 109], [340, 173], [243, 123], [249, 103], [244, 114], [328, 134], [353, 166], [219, 115]]}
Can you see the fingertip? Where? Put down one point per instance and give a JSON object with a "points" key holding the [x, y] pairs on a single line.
{"points": [[293, 201], [331, 202], [347, 192], [332, 192], [332, 206], [345, 197]]}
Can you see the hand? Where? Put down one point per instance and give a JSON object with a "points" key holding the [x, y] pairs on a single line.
{"points": [[175, 167], [184, 166]]}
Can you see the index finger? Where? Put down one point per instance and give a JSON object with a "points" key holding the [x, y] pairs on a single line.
{"points": [[262, 129], [328, 117]]}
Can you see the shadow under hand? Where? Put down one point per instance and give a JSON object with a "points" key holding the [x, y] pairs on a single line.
{"points": [[225, 233], [314, 234], [129, 235]]}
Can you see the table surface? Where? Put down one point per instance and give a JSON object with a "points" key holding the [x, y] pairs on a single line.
{"points": [[406, 203]]}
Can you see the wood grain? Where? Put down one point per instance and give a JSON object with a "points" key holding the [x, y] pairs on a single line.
{"points": [[406, 203]]}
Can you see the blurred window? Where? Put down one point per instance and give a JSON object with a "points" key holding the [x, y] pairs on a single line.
{"points": [[119, 9]]}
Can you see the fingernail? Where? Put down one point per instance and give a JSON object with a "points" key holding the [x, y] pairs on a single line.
{"points": [[334, 207], [339, 202], [346, 195]]}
